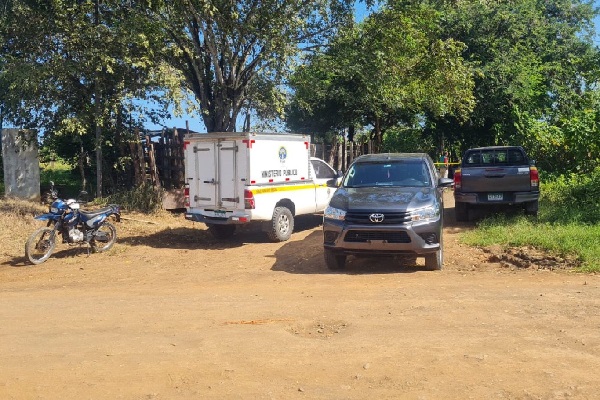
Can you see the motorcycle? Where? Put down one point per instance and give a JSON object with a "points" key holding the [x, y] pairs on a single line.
{"points": [[66, 220]]}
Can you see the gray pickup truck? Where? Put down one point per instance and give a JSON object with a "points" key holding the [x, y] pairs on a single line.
{"points": [[496, 175], [387, 204]]}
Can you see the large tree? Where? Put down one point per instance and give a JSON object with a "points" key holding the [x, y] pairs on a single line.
{"points": [[73, 75], [532, 59], [235, 54], [394, 68]]}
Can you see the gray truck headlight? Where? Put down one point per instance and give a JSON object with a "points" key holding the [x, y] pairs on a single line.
{"points": [[334, 213], [425, 214]]}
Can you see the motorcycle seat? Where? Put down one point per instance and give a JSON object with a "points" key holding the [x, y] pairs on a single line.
{"points": [[93, 213]]}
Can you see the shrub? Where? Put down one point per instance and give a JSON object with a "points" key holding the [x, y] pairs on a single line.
{"points": [[572, 198], [144, 198]]}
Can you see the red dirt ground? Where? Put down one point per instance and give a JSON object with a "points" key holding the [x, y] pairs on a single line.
{"points": [[170, 313]]}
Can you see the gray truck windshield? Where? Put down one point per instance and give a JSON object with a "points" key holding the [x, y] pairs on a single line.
{"points": [[394, 173]]}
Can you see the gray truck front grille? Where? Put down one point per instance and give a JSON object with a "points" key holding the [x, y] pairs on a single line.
{"points": [[360, 236], [364, 217]]}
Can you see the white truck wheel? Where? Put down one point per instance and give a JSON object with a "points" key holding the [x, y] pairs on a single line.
{"points": [[282, 225]]}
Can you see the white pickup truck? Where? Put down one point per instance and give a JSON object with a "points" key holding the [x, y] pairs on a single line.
{"points": [[238, 178]]}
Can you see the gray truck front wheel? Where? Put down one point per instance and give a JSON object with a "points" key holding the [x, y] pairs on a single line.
{"points": [[333, 261], [282, 225], [434, 261]]}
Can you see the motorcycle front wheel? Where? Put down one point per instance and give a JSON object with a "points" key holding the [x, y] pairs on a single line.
{"points": [[40, 245], [104, 238]]}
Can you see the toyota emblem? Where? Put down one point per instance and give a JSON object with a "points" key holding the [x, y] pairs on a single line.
{"points": [[376, 217]]}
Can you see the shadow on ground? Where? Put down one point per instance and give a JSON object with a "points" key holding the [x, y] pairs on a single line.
{"points": [[200, 238], [306, 257], [62, 251]]}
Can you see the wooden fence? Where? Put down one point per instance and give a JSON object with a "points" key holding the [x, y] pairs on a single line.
{"points": [[157, 160], [339, 155]]}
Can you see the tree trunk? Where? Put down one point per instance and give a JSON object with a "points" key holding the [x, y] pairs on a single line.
{"points": [[98, 141], [98, 116], [340, 154], [332, 153], [81, 165], [247, 122], [350, 152], [377, 135]]}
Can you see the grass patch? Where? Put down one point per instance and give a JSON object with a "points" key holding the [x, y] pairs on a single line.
{"points": [[64, 177], [18, 222], [568, 222], [580, 240]]}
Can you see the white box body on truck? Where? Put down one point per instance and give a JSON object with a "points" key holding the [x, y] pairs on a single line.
{"points": [[238, 178]]}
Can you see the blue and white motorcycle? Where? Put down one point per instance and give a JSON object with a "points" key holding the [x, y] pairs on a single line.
{"points": [[72, 225]]}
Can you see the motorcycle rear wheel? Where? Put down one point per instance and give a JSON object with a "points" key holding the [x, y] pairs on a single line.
{"points": [[40, 245], [104, 238]]}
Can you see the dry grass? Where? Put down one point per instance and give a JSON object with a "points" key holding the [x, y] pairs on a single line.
{"points": [[16, 224]]}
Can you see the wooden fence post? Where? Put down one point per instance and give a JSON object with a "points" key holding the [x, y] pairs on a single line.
{"points": [[155, 179]]}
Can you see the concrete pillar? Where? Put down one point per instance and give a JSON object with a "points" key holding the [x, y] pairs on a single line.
{"points": [[21, 164]]}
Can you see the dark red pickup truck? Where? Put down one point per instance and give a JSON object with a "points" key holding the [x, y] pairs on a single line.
{"points": [[496, 175]]}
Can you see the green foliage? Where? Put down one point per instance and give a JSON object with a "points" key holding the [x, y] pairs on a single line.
{"points": [[390, 70], [64, 177], [406, 140], [74, 76], [80, 54], [530, 58], [572, 198], [144, 198], [465, 73], [570, 143]]}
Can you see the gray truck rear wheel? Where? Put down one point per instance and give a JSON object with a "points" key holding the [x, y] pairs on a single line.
{"points": [[461, 212], [531, 208]]}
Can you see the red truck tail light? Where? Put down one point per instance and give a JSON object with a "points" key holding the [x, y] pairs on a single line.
{"points": [[249, 203], [534, 176], [457, 179], [186, 195]]}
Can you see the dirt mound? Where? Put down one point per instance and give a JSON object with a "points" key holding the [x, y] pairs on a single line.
{"points": [[529, 257]]}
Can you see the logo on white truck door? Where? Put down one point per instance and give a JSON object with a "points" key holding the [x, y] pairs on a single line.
{"points": [[282, 154]]}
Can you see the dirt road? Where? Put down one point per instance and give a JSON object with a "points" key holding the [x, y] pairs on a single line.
{"points": [[170, 313]]}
